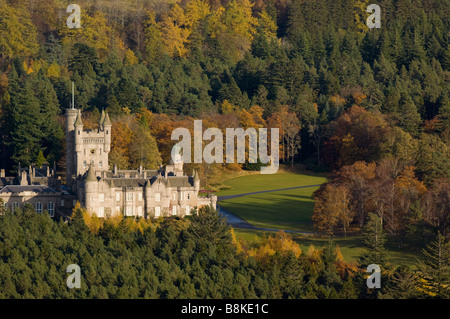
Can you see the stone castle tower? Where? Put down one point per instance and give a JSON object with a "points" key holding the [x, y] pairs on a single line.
{"points": [[85, 148]]}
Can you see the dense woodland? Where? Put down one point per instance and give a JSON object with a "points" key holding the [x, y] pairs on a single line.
{"points": [[371, 107], [198, 258]]}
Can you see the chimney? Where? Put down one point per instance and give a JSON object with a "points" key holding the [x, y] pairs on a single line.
{"points": [[23, 178]]}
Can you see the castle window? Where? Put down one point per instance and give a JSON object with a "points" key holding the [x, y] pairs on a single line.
{"points": [[139, 196], [188, 196], [117, 197], [157, 211], [78, 132], [181, 195], [106, 132], [84, 164], [158, 197], [39, 207], [51, 209], [129, 211], [101, 212], [139, 211], [101, 197], [61, 203], [15, 205], [100, 164], [129, 197], [174, 210], [174, 196], [188, 210]]}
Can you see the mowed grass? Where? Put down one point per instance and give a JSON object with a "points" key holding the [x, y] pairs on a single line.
{"points": [[287, 209], [260, 182], [351, 247]]}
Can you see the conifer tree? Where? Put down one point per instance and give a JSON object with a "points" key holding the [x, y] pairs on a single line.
{"points": [[434, 268], [374, 240]]}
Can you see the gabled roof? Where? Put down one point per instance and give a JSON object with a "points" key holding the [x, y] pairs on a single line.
{"points": [[27, 188], [178, 181]]}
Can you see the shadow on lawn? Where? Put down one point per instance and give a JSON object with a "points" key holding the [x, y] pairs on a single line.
{"points": [[283, 211]]}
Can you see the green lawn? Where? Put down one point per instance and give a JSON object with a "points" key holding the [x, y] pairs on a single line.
{"points": [[260, 182], [288, 209]]}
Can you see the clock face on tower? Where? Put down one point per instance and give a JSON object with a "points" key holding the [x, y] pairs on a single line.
{"points": [[93, 151]]}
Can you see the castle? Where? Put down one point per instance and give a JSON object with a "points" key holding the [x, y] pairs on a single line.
{"points": [[136, 193]]}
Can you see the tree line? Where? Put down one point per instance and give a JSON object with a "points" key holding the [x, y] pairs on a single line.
{"points": [[196, 258]]}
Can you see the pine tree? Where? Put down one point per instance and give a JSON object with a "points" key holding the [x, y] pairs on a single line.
{"points": [[374, 240], [434, 268], [403, 285], [209, 227]]}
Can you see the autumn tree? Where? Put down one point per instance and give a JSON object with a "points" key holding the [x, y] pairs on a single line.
{"points": [[357, 178], [19, 36], [332, 209]]}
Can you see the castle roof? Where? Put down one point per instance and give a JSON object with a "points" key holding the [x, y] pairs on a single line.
{"points": [[178, 181], [196, 178], [78, 121], [126, 182], [102, 117], [90, 175], [107, 121], [27, 188]]}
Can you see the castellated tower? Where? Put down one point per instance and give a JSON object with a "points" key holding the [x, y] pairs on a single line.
{"points": [[85, 148]]}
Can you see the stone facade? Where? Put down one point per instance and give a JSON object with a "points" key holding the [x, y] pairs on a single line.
{"points": [[104, 192]]}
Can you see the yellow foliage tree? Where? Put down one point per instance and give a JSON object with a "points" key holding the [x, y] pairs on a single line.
{"points": [[267, 25], [130, 58], [175, 28], [94, 31], [54, 71]]}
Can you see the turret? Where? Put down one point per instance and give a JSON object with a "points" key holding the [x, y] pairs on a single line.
{"points": [[100, 122], [78, 132], [90, 189], [196, 181]]}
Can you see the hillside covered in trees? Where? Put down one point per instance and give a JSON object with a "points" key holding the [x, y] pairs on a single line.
{"points": [[369, 106]]}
